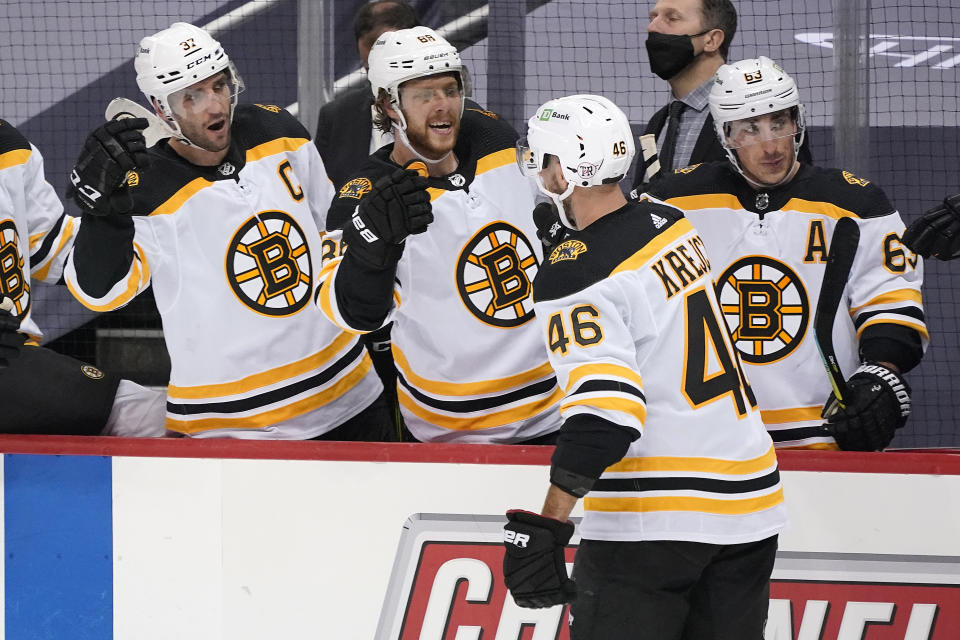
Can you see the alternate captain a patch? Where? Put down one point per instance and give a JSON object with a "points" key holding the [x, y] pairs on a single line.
{"points": [[495, 273], [356, 188], [268, 264], [567, 250]]}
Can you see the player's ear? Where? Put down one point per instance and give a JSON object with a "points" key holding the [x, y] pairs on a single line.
{"points": [[712, 40]]}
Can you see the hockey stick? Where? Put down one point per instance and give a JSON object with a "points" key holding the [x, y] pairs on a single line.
{"points": [[125, 108], [843, 249]]}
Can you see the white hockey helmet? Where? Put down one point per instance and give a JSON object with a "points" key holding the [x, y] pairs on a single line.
{"points": [[750, 88], [176, 58], [407, 54], [590, 136]]}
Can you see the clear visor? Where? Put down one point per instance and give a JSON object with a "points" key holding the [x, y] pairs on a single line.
{"points": [[526, 159], [219, 90], [422, 96], [750, 131]]}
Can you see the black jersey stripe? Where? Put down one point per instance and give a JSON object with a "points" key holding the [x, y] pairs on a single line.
{"points": [[276, 395], [911, 312], [43, 250], [480, 404], [707, 485], [608, 385], [799, 433]]}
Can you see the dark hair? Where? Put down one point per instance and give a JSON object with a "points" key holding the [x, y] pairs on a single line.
{"points": [[381, 120], [720, 14], [383, 13]]}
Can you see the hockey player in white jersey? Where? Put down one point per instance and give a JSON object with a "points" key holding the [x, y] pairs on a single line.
{"points": [[661, 436], [223, 217], [41, 391], [448, 258], [767, 220]]}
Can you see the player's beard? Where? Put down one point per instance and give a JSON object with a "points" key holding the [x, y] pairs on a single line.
{"points": [[431, 145]]}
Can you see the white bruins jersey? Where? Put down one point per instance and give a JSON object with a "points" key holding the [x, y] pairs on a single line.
{"points": [[232, 253], [35, 234], [633, 350], [471, 366], [769, 250]]}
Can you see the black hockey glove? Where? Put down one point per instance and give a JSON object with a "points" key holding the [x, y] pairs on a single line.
{"points": [[11, 340], [937, 231], [109, 152], [534, 568], [549, 228], [398, 206], [879, 404]]}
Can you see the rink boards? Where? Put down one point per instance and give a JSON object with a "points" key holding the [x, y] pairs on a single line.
{"points": [[107, 538]]}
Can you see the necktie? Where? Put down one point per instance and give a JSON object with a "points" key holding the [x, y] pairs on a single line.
{"points": [[670, 139]]}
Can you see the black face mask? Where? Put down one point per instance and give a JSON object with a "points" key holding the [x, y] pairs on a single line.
{"points": [[670, 54]]}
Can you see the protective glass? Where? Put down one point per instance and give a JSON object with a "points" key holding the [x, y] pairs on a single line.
{"points": [[751, 131], [222, 88], [526, 159]]}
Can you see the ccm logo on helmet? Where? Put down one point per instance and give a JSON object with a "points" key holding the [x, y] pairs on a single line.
{"points": [[194, 63], [514, 538]]}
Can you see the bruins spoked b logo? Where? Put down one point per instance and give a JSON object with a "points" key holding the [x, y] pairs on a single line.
{"points": [[766, 308], [268, 264], [13, 285], [494, 275]]}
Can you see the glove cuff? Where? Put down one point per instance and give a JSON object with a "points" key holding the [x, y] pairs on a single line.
{"points": [[562, 530]]}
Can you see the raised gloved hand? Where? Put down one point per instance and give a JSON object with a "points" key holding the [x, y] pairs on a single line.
{"points": [[549, 228], [937, 231], [397, 207], [878, 405], [534, 568], [11, 340], [109, 152]]}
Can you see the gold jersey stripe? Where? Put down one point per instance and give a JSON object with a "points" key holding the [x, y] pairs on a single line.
{"points": [[741, 506], [892, 297], [796, 414], [484, 387], [818, 208], [698, 465], [274, 147], [656, 245], [634, 408], [602, 369], [496, 159], [65, 235], [281, 414], [134, 280], [264, 378], [706, 201], [13, 158], [174, 202], [821, 446], [478, 422]]}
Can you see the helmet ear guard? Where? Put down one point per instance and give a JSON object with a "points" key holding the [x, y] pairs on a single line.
{"points": [[590, 136], [175, 59]]}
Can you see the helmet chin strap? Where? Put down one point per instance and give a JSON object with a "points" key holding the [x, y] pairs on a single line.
{"points": [[558, 199]]}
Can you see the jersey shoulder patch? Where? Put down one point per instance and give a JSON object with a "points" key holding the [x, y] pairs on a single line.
{"points": [[357, 187], [847, 191], [588, 256], [11, 139]]}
